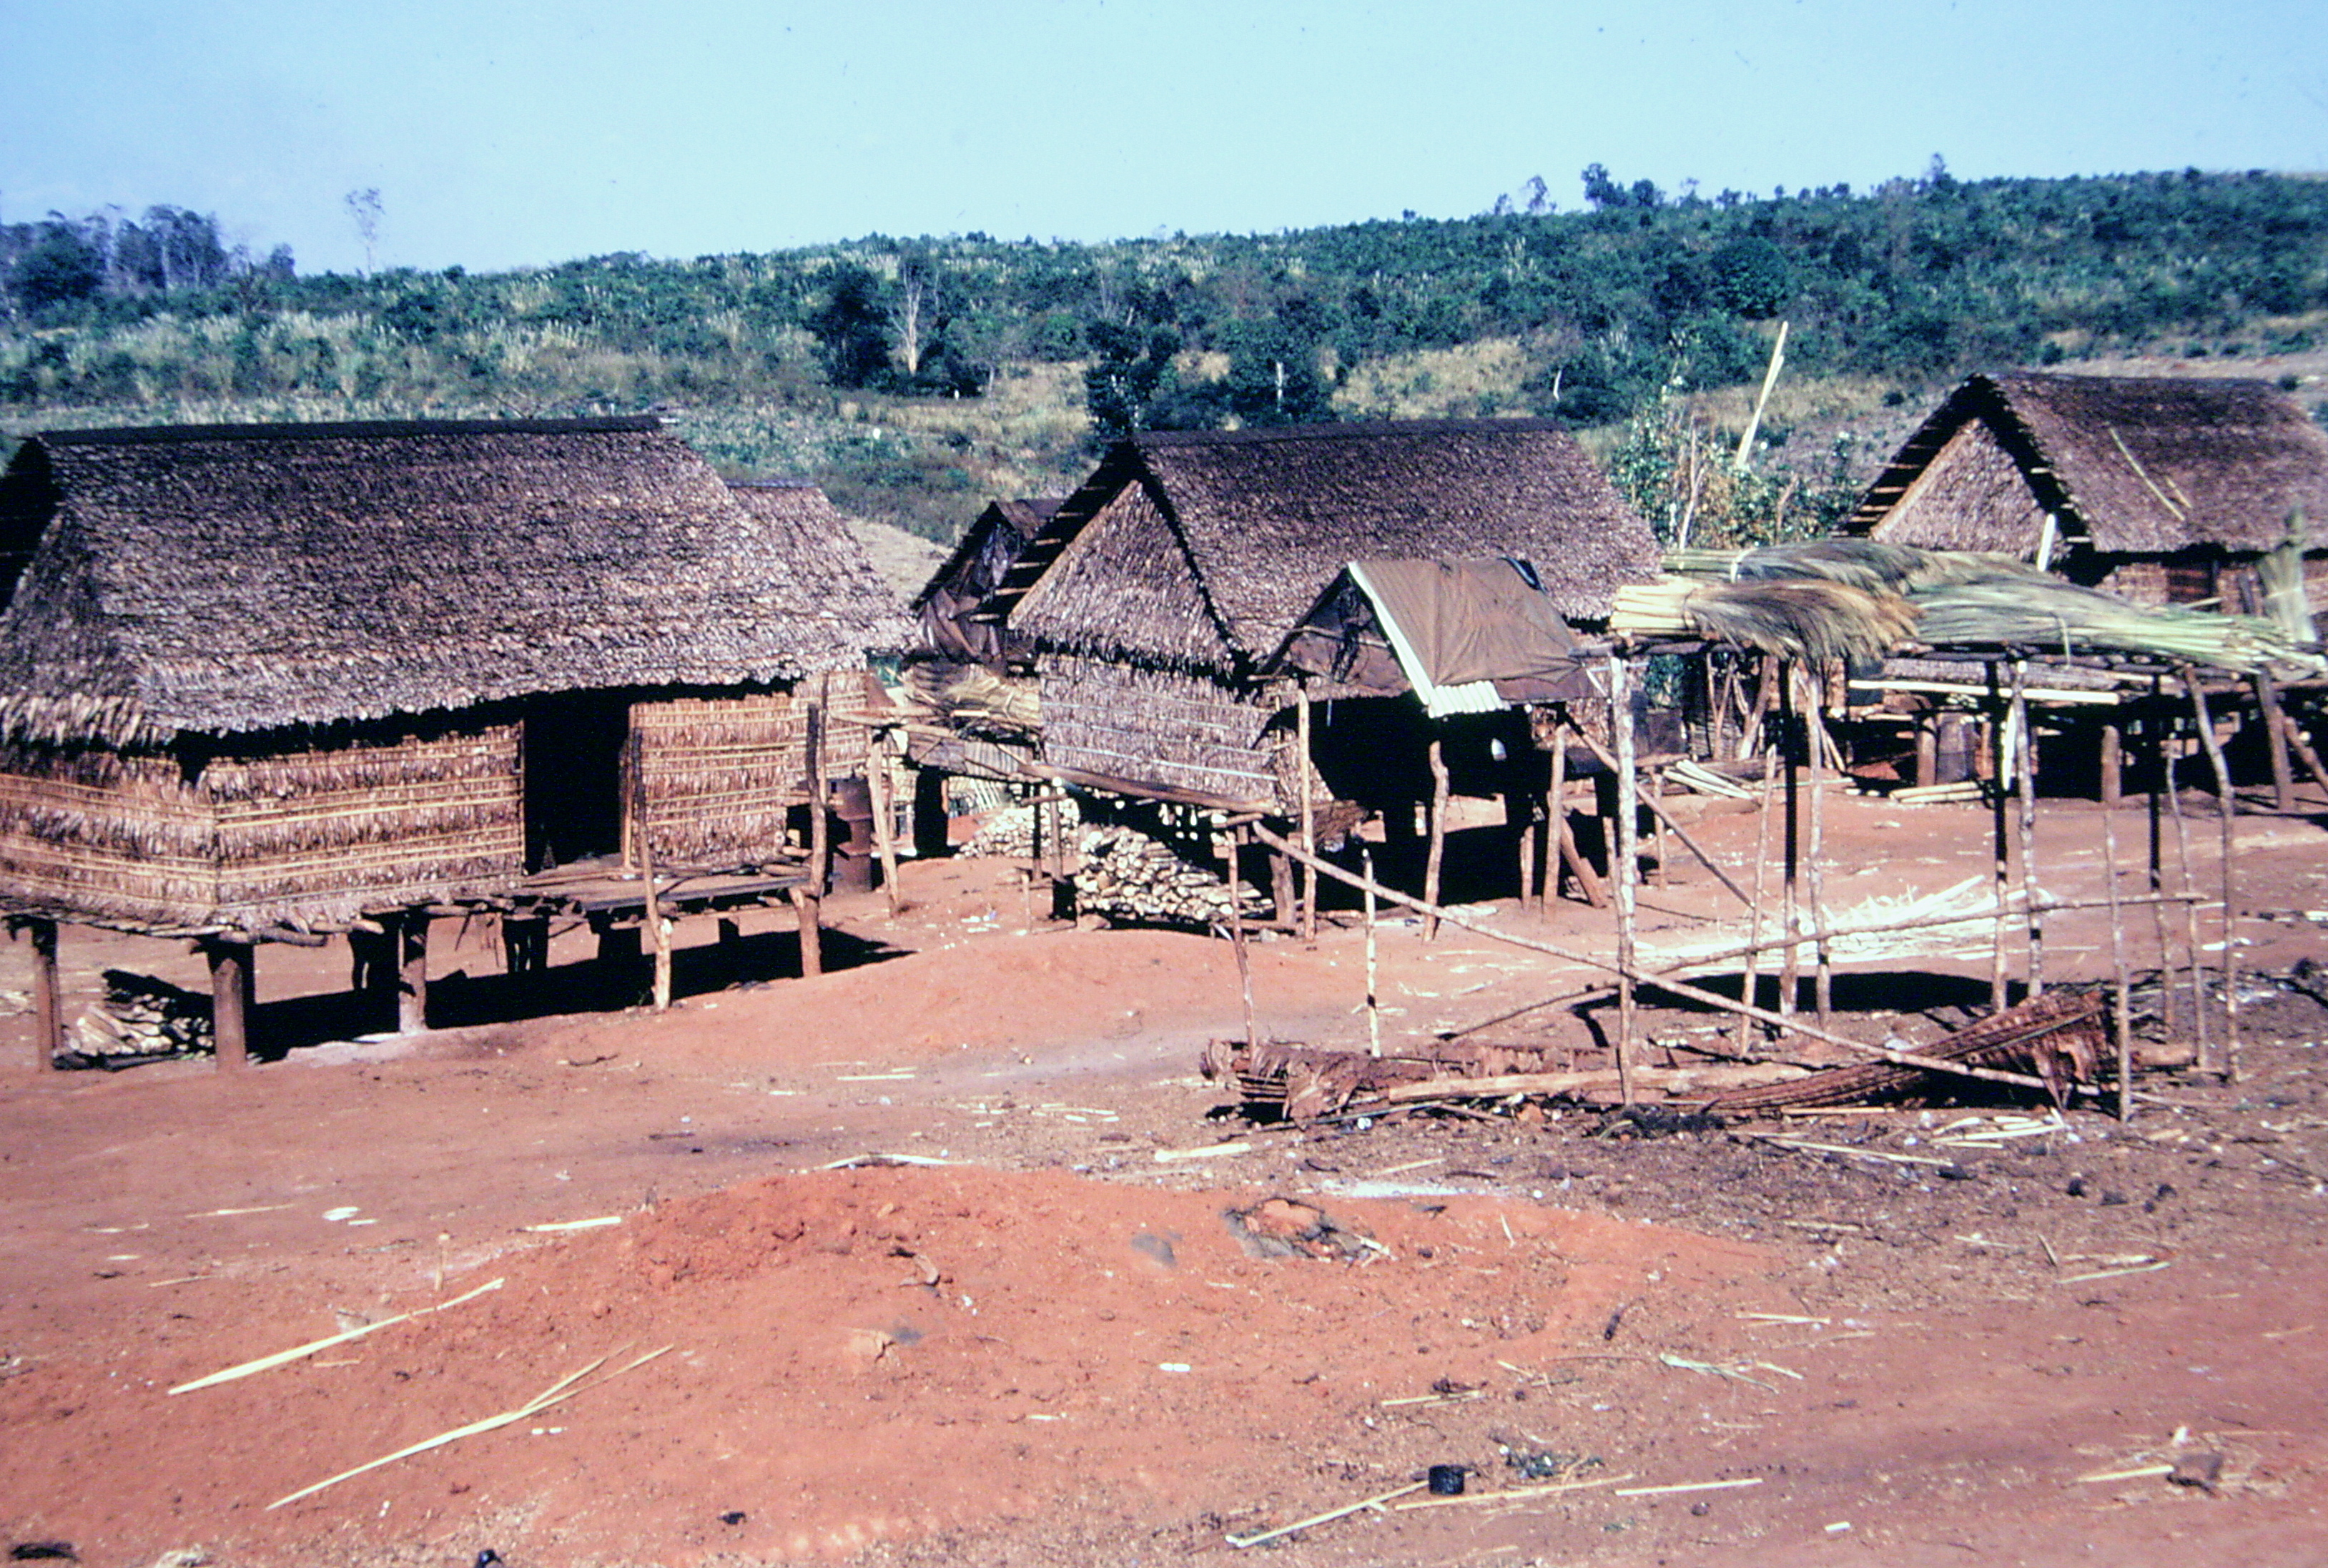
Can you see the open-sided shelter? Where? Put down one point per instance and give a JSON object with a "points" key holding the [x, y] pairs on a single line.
{"points": [[1157, 595], [276, 680], [2164, 489]]}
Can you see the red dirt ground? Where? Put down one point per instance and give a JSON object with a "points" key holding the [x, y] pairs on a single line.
{"points": [[1047, 1346]]}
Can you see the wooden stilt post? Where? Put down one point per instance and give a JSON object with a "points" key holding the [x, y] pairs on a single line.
{"points": [[1927, 750], [2025, 780], [1621, 867], [231, 997], [412, 972], [1373, 1001], [2227, 801], [2112, 766], [48, 996], [810, 897], [885, 815], [1436, 852], [2275, 731], [1305, 776]]}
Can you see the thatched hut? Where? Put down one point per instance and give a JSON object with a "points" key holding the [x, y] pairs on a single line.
{"points": [[263, 681], [2164, 489], [1160, 592]]}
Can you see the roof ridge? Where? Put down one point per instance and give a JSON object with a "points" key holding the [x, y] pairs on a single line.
{"points": [[1343, 430], [363, 429]]}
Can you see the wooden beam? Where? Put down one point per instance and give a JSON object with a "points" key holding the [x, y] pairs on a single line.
{"points": [[1436, 853], [2274, 729], [810, 897], [1621, 864], [231, 991]]}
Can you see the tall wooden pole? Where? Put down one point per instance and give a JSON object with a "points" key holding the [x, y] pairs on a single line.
{"points": [[1374, 1003], [1236, 935], [2024, 771], [2123, 1031], [2227, 801], [1751, 981], [1790, 916], [48, 996], [2187, 875], [1304, 776], [810, 897], [2000, 769], [2275, 731], [1823, 954], [1438, 848], [1621, 870], [230, 999], [1557, 850]]}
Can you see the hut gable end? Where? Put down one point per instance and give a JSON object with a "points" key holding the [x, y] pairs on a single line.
{"points": [[1125, 586], [2134, 465]]}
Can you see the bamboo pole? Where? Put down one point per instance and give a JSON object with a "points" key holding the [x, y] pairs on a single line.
{"points": [[2124, 987], [1679, 988], [810, 897], [2000, 766], [2155, 747], [1621, 868], [1436, 853], [2227, 801], [1305, 776], [2025, 779], [1657, 808], [1374, 1004], [2186, 874], [1790, 740]]}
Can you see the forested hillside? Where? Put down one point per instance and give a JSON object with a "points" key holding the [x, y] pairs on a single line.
{"points": [[914, 378]]}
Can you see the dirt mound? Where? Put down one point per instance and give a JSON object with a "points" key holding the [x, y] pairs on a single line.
{"points": [[861, 1356]]}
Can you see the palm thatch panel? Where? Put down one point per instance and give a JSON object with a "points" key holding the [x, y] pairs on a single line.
{"points": [[824, 564], [128, 837], [718, 775], [1161, 727], [2145, 465], [236, 578], [1125, 588]]}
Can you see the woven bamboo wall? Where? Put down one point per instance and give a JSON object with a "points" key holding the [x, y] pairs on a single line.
{"points": [[318, 837], [312, 838], [718, 774], [1158, 727], [116, 837]]}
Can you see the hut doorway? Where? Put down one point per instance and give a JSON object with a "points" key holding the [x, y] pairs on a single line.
{"points": [[573, 746]]}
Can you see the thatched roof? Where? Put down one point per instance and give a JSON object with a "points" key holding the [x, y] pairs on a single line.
{"points": [[2132, 466], [825, 562], [232, 578], [1208, 547]]}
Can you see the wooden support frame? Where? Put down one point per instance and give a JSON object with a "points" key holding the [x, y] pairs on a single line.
{"points": [[232, 994], [412, 972], [48, 995], [810, 898]]}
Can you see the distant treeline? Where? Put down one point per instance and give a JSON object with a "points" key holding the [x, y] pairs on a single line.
{"points": [[1638, 292]]}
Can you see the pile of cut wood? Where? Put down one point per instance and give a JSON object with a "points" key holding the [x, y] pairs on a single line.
{"points": [[141, 1019], [1023, 831], [1126, 876]]}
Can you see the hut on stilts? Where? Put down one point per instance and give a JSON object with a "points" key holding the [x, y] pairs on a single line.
{"points": [[1157, 599], [284, 682]]}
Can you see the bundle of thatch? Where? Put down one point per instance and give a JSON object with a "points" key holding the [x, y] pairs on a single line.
{"points": [[1859, 599], [972, 697]]}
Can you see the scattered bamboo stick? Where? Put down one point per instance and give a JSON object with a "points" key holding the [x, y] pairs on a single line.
{"points": [[1329, 1516], [285, 1358], [558, 1393], [1688, 1487], [2138, 1474], [1846, 1149]]}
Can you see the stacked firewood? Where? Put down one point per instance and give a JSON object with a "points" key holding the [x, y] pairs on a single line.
{"points": [[1015, 830], [1126, 876], [142, 1017]]}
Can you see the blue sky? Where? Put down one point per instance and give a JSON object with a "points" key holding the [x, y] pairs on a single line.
{"points": [[502, 133]]}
